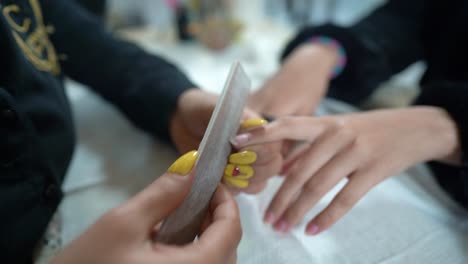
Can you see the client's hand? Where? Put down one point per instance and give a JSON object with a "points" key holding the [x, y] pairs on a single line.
{"points": [[366, 148], [125, 234], [250, 167], [298, 87]]}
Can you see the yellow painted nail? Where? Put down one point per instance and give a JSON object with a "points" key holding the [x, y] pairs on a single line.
{"points": [[184, 164], [253, 123], [240, 177], [239, 183], [243, 158], [239, 171]]}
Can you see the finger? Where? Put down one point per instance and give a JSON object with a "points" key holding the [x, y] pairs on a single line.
{"points": [[252, 123], [357, 186], [320, 184], [264, 161], [322, 151], [206, 222], [255, 182], [238, 170], [221, 238], [294, 128], [233, 190], [264, 172], [249, 114], [294, 156], [164, 195], [287, 147], [265, 152]]}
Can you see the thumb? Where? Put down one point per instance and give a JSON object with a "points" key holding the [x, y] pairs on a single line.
{"points": [[164, 195]]}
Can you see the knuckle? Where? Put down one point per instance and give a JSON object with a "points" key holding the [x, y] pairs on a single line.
{"points": [[116, 217], [116, 213], [361, 148], [347, 133]]}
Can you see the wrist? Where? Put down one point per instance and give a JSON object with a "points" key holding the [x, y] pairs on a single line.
{"points": [[442, 134], [320, 57], [183, 101]]}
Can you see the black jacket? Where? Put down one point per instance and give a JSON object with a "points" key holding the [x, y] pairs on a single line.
{"points": [[41, 41], [393, 37]]}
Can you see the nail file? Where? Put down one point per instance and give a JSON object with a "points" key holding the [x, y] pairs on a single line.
{"points": [[183, 225]]}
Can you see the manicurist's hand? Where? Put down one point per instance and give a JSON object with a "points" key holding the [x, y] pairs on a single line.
{"points": [[249, 168], [365, 148], [125, 234]]}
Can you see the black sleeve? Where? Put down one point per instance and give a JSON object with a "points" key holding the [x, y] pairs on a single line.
{"points": [[380, 45], [144, 87]]}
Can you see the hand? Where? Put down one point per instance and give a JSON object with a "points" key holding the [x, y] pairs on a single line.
{"points": [[191, 118], [299, 85], [250, 168], [125, 234], [256, 164], [367, 148]]}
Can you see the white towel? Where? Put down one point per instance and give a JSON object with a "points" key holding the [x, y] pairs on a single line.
{"points": [[406, 219]]}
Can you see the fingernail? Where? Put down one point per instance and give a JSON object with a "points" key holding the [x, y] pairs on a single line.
{"points": [[243, 172], [241, 139], [243, 158], [253, 123], [282, 226], [270, 218], [238, 183], [313, 229], [184, 164]]}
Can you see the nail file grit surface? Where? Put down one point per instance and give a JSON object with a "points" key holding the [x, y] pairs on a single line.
{"points": [[182, 226]]}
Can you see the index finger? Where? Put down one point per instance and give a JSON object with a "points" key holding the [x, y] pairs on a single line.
{"points": [[222, 236], [294, 128]]}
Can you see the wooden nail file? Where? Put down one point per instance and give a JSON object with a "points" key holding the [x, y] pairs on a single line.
{"points": [[183, 225]]}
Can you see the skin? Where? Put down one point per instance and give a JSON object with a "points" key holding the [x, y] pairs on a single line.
{"points": [[366, 148], [298, 87], [196, 104], [305, 74], [114, 238], [124, 234]]}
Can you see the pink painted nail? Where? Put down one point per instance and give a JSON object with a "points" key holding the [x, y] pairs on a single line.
{"points": [[282, 226], [313, 230], [241, 139], [270, 218]]}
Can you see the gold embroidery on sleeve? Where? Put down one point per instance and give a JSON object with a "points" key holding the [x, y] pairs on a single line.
{"points": [[36, 46], [15, 9]]}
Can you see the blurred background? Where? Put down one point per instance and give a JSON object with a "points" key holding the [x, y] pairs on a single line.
{"points": [[253, 32]]}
